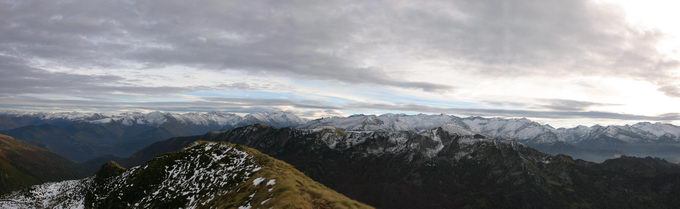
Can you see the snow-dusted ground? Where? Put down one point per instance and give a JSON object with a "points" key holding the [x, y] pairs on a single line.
{"points": [[57, 195], [205, 171]]}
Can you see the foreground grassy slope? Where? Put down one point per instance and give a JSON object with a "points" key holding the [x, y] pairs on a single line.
{"points": [[292, 188], [23, 165]]}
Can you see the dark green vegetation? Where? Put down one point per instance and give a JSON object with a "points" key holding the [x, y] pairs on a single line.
{"points": [[400, 170], [23, 164], [204, 175]]}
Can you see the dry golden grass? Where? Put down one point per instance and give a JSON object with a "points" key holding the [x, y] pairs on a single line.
{"points": [[293, 190]]}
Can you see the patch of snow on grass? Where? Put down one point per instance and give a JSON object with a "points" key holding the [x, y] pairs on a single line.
{"points": [[257, 181]]}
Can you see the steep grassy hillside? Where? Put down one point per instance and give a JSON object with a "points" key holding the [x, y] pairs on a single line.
{"points": [[23, 164]]}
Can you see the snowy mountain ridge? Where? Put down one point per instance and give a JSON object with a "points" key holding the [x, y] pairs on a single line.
{"points": [[429, 143], [158, 118], [517, 129]]}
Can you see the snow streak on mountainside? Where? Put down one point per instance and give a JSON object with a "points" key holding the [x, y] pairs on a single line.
{"points": [[427, 143]]}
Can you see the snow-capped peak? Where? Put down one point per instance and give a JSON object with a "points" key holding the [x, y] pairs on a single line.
{"points": [[275, 118]]}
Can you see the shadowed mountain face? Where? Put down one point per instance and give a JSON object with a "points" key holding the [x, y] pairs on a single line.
{"points": [[444, 168], [23, 165], [203, 175], [83, 141]]}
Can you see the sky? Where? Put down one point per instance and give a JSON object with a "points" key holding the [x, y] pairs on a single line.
{"points": [[559, 62]]}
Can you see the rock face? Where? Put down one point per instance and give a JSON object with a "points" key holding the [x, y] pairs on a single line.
{"points": [[596, 143], [203, 175], [23, 164], [436, 168]]}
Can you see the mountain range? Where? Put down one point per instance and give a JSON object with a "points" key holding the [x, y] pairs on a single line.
{"points": [[202, 175], [98, 137], [446, 168], [595, 143], [15, 119], [519, 129], [85, 136]]}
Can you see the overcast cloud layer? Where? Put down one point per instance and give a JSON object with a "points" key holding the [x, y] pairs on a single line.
{"points": [[552, 60]]}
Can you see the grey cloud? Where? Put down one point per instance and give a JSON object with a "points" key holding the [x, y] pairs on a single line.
{"points": [[550, 104], [324, 40], [273, 102], [506, 103], [287, 38], [671, 90], [243, 86], [570, 105], [519, 37], [18, 77], [244, 105]]}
